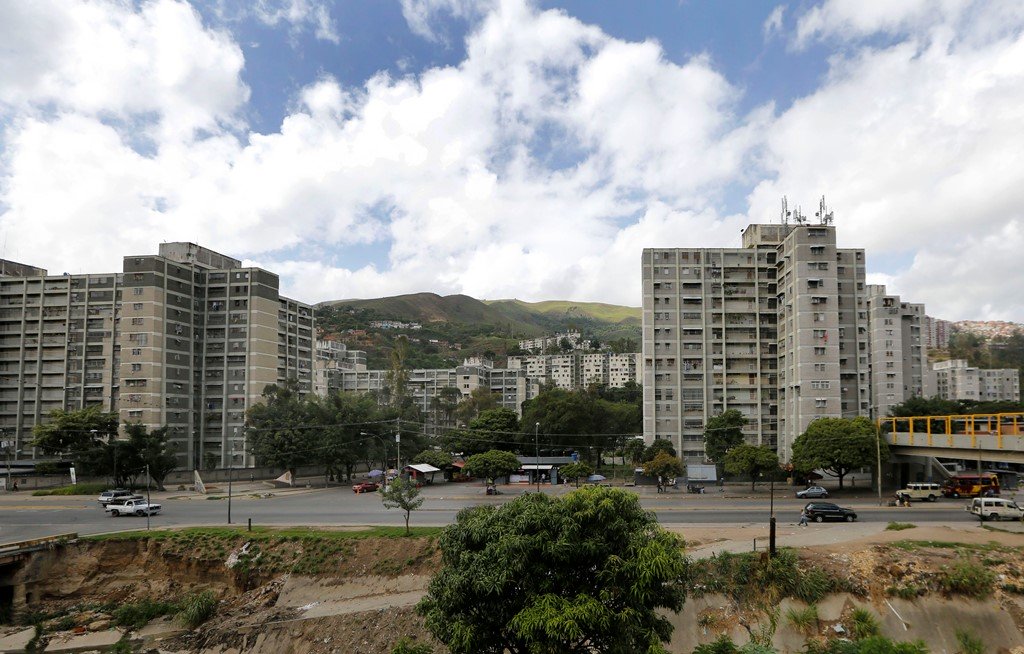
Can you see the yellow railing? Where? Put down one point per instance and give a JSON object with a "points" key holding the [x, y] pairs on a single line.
{"points": [[973, 425]]}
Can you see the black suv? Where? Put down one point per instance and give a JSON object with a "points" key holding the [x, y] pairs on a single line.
{"points": [[821, 511]]}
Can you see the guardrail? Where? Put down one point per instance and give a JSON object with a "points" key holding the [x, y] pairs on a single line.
{"points": [[34, 544]]}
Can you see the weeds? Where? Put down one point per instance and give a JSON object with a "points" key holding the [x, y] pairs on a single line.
{"points": [[197, 608], [966, 578], [905, 591], [969, 643], [407, 646], [863, 624], [804, 620], [899, 526], [136, 615]]}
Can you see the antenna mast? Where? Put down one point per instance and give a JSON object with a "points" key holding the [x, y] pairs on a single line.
{"points": [[785, 211], [825, 217]]}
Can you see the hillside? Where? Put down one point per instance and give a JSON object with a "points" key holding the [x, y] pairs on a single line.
{"points": [[457, 326]]}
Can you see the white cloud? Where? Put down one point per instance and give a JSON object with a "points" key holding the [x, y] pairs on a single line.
{"points": [[538, 167], [299, 14], [773, 24], [422, 16]]}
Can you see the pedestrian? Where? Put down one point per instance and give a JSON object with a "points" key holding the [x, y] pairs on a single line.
{"points": [[803, 518], [15, 486]]}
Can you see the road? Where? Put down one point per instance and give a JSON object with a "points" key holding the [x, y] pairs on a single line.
{"points": [[23, 516]]}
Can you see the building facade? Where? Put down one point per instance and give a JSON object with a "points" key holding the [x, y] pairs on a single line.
{"points": [[898, 355], [775, 329], [957, 380], [186, 338]]}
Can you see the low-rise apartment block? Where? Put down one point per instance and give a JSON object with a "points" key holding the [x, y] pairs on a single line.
{"points": [[957, 380]]}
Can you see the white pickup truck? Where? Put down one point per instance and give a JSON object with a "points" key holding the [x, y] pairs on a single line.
{"points": [[133, 507]]}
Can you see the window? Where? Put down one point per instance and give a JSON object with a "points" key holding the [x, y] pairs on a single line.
{"points": [[821, 384], [136, 367], [820, 402], [819, 317], [819, 333], [819, 351], [137, 306], [137, 290], [819, 367], [136, 351], [136, 321]]}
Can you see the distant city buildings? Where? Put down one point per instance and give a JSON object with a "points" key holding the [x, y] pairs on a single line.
{"points": [[540, 345], [187, 338], [937, 332], [956, 380], [395, 324], [580, 369]]}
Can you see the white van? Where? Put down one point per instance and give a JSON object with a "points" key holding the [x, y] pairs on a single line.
{"points": [[924, 490], [995, 508]]}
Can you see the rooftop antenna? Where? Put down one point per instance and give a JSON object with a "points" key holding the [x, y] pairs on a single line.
{"points": [[799, 217], [825, 217], [786, 213]]}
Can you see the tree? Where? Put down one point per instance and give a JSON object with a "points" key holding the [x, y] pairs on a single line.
{"points": [[587, 572], [338, 442], [751, 460], [443, 405], [837, 446], [576, 471], [479, 400], [435, 458], [74, 432], [664, 466], [497, 419], [633, 450], [279, 428], [402, 494], [491, 465], [722, 433], [398, 375], [151, 449], [658, 446]]}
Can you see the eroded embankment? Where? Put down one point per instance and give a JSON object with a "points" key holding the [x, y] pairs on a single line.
{"points": [[306, 591]]}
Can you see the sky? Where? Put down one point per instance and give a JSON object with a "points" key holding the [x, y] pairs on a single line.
{"points": [[514, 148]]}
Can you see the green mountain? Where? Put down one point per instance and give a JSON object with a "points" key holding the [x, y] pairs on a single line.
{"points": [[490, 328]]}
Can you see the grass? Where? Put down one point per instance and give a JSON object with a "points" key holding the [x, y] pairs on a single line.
{"points": [[863, 624], [804, 620], [197, 608], [906, 591], [137, 614], [268, 533], [966, 578], [749, 579], [74, 489], [899, 526], [969, 643]]}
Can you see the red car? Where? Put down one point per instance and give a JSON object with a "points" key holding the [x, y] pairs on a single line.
{"points": [[364, 487]]}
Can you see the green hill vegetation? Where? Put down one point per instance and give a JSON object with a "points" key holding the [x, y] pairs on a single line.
{"points": [[461, 326]]}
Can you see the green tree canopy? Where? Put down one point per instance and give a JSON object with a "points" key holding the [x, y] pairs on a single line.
{"points": [[664, 465], [837, 446], [279, 428], [338, 442], [150, 448], [75, 432], [402, 494], [722, 433], [751, 460], [479, 400], [491, 465], [657, 447], [587, 572], [436, 458], [576, 471]]}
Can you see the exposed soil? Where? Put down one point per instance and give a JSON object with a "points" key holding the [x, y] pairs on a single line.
{"points": [[295, 594]]}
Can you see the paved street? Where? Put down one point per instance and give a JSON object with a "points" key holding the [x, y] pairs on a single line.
{"points": [[23, 516]]}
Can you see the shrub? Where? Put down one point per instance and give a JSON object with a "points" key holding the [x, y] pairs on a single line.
{"points": [[812, 586], [74, 489], [804, 620], [969, 643], [723, 645], [197, 608], [406, 646], [966, 578], [138, 614], [870, 645], [906, 591], [863, 624], [899, 526]]}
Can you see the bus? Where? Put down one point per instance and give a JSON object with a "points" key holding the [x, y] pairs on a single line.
{"points": [[964, 485]]}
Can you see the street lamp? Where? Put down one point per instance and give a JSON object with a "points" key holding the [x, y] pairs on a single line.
{"points": [[536, 453], [231, 468]]}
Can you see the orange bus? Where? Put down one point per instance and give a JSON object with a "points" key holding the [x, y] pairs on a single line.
{"points": [[964, 485]]}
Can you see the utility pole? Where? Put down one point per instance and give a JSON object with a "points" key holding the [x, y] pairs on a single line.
{"points": [[231, 476], [536, 454], [149, 500], [878, 455], [771, 520], [398, 439]]}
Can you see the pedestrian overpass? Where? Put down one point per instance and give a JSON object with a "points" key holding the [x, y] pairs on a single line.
{"points": [[988, 437]]}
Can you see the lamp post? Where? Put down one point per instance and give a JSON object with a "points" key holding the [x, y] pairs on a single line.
{"points": [[878, 457], [149, 501], [536, 453], [771, 519]]}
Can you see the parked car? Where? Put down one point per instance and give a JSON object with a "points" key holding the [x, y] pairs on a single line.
{"points": [[821, 511], [133, 507], [364, 487], [995, 508], [116, 496], [812, 492], [922, 491]]}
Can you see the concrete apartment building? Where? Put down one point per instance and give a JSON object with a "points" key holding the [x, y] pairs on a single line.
{"points": [[332, 357], [538, 345], [776, 329], [937, 333], [579, 369], [957, 380], [186, 338], [898, 356]]}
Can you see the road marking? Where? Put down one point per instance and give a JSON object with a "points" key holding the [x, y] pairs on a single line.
{"points": [[41, 507]]}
